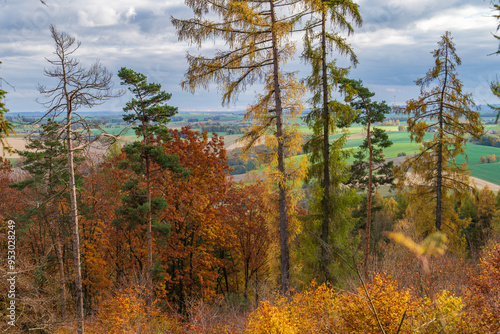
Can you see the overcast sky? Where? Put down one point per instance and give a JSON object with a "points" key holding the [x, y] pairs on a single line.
{"points": [[393, 46]]}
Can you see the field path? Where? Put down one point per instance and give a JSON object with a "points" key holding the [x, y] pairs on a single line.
{"points": [[480, 183]]}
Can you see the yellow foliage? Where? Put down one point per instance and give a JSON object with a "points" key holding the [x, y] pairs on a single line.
{"points": [[483, 298], [383, 304], [309, 312]]}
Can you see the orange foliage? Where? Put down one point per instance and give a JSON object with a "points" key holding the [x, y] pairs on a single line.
{"points": [[309, 312], [126, 312], [197, 243], [99, 198], [484, 294], [250, 238]]}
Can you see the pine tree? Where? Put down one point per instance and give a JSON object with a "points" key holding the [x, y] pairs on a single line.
{"points": [[369, 172], [149, 115], [453, 114], [45, 160]]}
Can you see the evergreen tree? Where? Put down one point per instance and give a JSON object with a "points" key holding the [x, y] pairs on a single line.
{"points": [[149, 115], [369, 169], [45, 160]]}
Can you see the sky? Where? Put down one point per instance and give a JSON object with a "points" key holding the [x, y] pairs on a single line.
{"points": [[393, 46]]}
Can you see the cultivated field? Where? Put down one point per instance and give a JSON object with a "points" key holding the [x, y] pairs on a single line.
{"points": [[401, 142]]}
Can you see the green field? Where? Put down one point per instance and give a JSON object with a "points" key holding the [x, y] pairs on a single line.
{"points": [[401, 141], [474, 153], [487, 172]]}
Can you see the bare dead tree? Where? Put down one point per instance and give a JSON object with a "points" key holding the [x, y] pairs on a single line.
{"points": [[77, 87]]}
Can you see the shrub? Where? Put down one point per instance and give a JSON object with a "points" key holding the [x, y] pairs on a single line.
{"points": [[483, 297], [322, 310], [309, 312], [126, 312]]}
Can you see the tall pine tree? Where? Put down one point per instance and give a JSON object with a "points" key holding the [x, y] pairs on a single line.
{"points": [[320, 43], [149, 115], [369, 169]]}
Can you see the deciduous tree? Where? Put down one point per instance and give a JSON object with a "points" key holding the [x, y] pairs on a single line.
{"points": [[257, 34], [190, 255], [247, 217], [451, 111]]}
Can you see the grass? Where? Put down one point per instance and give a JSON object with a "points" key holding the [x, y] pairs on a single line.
{"points": [[487, 172], [474, 152]]}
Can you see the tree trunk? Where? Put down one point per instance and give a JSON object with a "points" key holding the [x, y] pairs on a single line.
{"points": [[369, 198], [149, 265], [326, 156], [76, 236], [62, 278], [285, 266], [439, 186], [439, 174]]}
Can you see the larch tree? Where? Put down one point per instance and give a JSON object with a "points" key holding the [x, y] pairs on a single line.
{"points": [[149, 115], [450, 113], [369, 169], [495, 85], [6, 127], [77, 87], [325, 76], [257, 35]]}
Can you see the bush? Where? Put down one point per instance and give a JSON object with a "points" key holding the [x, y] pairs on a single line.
{"points": [[483, 297], [322, 310], [126, 312]]}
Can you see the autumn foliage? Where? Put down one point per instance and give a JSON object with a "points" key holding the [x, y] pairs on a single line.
{"points": [[483, 297], [214, 246]]}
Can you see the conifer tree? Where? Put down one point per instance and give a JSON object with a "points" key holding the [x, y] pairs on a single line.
{"points": [[319, 44], [45, 159], [257, 35], [451, 114], [149, 115], [369, 172]]}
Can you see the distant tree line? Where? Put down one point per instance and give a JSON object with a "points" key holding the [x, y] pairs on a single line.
{"points": [[488, 139], [241, 165], [230, 129]]}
